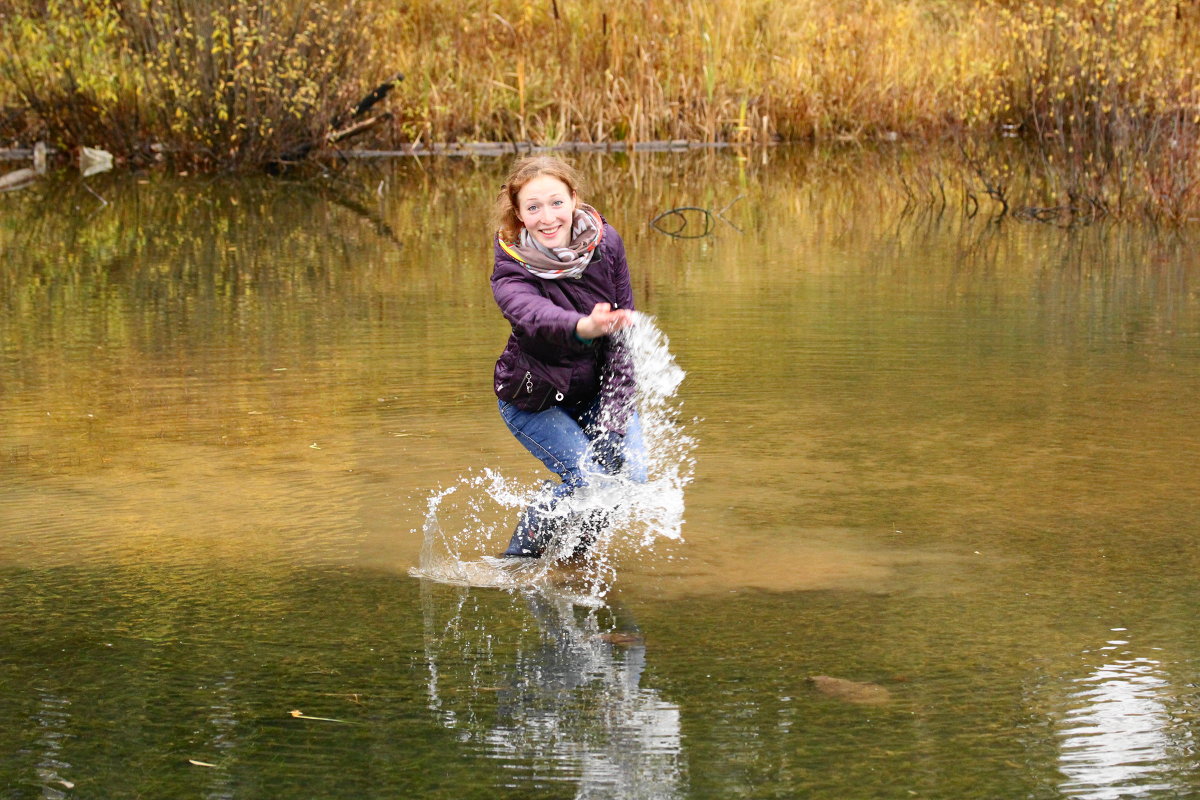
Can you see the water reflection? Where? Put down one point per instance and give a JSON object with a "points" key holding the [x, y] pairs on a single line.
{"points": [[1118, 737], [222, 736], [568, 708], [914, 431], [53, 717]]}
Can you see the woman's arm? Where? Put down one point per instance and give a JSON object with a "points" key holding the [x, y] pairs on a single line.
{"points": [[536, 320], [607, 318]]}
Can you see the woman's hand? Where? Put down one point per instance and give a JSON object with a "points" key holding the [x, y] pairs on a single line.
{"points": [[603, 321]]}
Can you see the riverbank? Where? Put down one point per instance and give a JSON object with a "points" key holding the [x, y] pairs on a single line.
{"points": [[1103, 97], [244, 78]]}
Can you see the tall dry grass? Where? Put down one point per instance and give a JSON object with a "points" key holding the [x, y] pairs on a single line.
{"points": [[691, 69], [1102, 92]]}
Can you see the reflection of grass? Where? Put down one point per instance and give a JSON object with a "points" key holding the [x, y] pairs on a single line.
{"points": [[245, 313]]}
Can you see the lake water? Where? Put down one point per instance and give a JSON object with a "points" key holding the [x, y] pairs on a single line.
{"points": [[952, 461]]}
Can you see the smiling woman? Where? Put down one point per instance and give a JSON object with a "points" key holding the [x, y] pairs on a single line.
{"points": [[564, 387]]}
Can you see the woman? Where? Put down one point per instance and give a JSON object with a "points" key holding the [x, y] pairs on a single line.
{"points": [[564, 386]]}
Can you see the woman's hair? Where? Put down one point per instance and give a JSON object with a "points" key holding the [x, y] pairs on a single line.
{"points": [[505, 216]]}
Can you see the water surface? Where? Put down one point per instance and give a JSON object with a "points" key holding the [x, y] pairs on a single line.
{"points": [[951, 458]]}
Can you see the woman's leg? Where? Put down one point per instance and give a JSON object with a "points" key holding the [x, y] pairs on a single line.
{"points": [[629, 461], [558, 441], [635, 450], [632, 446]]}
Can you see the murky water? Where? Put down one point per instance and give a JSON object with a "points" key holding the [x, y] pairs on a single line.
{"points": [[950, 461]]}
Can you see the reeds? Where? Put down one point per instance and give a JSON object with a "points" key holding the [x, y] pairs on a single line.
{"points": [[639, 70], [1103, 91]]}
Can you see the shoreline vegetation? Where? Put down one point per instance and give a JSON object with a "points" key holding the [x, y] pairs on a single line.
{"points": [[1069, 111]]}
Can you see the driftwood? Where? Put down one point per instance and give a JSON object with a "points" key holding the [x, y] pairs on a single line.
{"points": [[492, 149], [93, 161], [679, 220], [346, 127], [17, 179], [356, 129], [376, 95], [20, 178]]}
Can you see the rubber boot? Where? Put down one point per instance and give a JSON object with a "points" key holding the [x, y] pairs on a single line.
{"points": [[590, 525], [532, 535]]}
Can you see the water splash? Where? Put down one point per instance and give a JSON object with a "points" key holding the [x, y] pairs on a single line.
{"points": [[474, 517]]}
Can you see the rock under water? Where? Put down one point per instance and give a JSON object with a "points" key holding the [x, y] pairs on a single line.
{"points": [[870, 694]]}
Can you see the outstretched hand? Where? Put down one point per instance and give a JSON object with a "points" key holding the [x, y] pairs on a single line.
{"points": [[602, 321]]}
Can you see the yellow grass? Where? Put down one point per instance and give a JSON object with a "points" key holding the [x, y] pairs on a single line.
{"points": [[1105, 90]]}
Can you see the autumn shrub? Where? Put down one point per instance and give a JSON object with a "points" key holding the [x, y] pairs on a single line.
{"points": [[1102, 94], [1105, 94], [223, 82]]}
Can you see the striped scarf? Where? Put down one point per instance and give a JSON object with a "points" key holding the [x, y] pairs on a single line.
{"points": [[587, 231]]}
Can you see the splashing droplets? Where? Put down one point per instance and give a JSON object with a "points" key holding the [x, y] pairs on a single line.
{"points": [[474, 516]]}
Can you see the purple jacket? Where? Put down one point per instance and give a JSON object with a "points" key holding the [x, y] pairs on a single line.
{"points": [[544, 363]]}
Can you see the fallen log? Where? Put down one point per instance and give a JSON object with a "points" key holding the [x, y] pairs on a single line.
{"points": [[340, 130], [17, 179], [20, 178], [354, 130]]}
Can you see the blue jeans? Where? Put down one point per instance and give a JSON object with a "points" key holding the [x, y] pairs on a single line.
{"points": [[560, 437]]}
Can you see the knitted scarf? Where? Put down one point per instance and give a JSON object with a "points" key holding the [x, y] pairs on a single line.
{"points": [[587, 230]]}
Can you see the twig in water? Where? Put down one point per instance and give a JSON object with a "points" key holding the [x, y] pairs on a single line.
{"points": [[721, 213], [103, 202], [300, 715], [681, 214]]}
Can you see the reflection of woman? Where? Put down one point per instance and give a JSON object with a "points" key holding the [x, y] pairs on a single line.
{"points": [[564, 386], [558, 697]]}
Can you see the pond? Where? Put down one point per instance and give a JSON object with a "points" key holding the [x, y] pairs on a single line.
{"points": [[951, 465]]}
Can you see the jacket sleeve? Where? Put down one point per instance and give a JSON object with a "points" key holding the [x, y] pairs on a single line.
{"points": [[540, 325], [618, 382]]}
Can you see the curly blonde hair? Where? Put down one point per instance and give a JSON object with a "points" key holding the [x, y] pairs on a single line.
{"points": [[506, 217]]}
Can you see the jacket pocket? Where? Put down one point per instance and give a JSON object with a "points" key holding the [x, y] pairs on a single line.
{"points": [[519, 383]]}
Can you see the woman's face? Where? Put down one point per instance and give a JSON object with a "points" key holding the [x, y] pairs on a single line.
{"points": [[546, 207]]}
